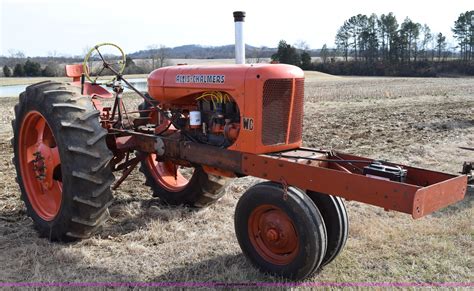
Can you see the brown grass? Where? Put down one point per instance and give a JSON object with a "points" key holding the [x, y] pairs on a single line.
{"points": [[415, 121]]}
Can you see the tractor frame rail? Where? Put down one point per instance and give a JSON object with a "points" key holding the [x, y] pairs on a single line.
{"points": [[423, 192], [329, 172]]}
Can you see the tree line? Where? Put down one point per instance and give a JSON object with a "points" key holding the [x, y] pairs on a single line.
{"points": [[30, 69], [372, 38], [379, 45]]}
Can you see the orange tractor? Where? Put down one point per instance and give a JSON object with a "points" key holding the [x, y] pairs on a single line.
{"points": [[197, 127]]}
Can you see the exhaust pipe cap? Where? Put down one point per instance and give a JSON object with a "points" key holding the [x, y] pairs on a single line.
{"points": [[239, 16]]}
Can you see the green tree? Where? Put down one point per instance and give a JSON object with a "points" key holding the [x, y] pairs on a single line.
{"points": [[368, 41], [132, 68], [32, 69], [388, 32], [6, 71], [129, 62], [286, 54], [440, 44], [306, 63], [49, 71], [353, 27], [18, 71], [359, 32], [464, 33], [409, 32], [342, 41]]}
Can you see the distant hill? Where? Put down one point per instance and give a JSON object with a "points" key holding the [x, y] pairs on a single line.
{"points": [[190, 51], [193, 51]]}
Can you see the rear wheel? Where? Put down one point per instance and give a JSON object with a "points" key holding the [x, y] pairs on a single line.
{"points": [[62, 161], [178, 185], [280, 232]]}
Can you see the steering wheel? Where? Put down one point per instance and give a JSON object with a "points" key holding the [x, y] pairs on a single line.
{"points": [[102, 61]]}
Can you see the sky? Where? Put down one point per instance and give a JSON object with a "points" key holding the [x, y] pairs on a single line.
{"points": [[65, 27]]}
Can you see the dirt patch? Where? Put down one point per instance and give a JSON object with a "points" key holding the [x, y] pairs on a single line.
{"points": [[415, 121]]}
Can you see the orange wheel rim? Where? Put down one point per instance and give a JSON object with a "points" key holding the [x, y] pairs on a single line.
{"points": [[273, 234], [40, 166], [167, 174]]}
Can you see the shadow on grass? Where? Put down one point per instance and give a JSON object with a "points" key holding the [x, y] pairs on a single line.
{"points": [[225, 268], [464, 204]]}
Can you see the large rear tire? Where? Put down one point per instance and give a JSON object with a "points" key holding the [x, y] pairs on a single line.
{"points": [[62, 161], [280, 232], [176, 185]]}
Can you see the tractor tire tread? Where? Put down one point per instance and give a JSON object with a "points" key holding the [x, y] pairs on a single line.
{"points": [[83, 151], [62, 106], [92, 114], [96, 138], [100, 165], [86, 181], [77, 126], [92, 222], [87, 177], [102, 189]]}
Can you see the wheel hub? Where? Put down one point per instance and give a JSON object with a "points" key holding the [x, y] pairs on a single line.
{"points": [[280, 236], [44, 164], [38, 166], [39, 158], [273, 234]]}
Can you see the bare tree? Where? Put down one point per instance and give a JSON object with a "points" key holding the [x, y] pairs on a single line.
{"points": [[426, 40], [159, 55], [324, 53], [86, 49], [16, 54], [257, 54], [54, 54], [301, 45]]}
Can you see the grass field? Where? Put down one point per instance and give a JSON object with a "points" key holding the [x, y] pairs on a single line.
{"points": [[414, 121]]}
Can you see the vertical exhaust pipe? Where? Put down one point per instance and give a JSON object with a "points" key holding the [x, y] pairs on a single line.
{"points": [[239, 37]]}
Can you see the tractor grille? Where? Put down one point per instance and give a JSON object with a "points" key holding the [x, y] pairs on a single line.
{"points": [[296, 129], [276, 111]]}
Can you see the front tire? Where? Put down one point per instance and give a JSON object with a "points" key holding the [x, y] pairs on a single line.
{"points": [[280, 232], [62, 161], [334, 213]]}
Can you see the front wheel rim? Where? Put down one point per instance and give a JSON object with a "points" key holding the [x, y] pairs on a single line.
{"points": [[40, 165], [273, 234]]}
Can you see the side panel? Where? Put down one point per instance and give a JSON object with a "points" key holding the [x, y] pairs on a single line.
{"points": [[255, 81]]}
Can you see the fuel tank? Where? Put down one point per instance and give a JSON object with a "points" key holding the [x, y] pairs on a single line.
{"points": [[171, 83]]}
